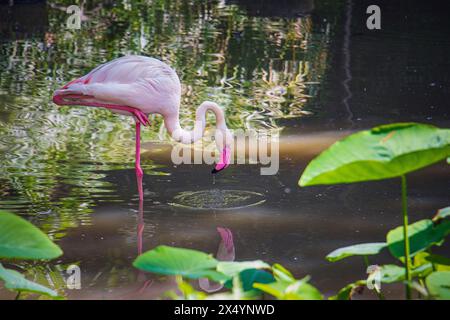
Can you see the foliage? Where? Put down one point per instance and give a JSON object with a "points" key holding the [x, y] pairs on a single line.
{"points": [[443, 213], [423, 234], [427, 268], [191, 264], [250, 276], [17, 282], [246, 279], [387, 151], [232, 268], [19, 239], [349, 290], [363, 249], [383, 152], [286, 287], [438, 284]]}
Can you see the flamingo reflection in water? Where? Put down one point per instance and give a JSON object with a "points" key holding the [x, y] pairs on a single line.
{"points": [[225, 252]]}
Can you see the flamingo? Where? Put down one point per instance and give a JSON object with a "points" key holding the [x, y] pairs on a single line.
{"points": [[139, 86]]}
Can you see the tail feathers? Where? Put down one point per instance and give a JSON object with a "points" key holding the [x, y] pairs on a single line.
{"points": [[74, 89]]}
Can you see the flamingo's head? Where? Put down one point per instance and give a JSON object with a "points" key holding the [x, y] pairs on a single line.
{"points": [[224, 161], [224, 141]]}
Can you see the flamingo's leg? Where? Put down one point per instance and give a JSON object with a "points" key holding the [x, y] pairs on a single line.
{"points": [[140, 224], [139, 172]]}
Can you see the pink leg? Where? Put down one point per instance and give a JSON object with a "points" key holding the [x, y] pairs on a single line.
{"points": [[140, 225], [139, 172]]}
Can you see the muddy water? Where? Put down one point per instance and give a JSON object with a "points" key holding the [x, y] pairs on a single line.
{"points": [[308, 70]]}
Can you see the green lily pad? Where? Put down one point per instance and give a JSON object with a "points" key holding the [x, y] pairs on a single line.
{"points": [[17, 282], [281, 273], [442, 214], [286, 287], [422, 235], [232, 268], [383, 152], [188, 263], [22, 240], [293, 290], [439, 260], [250, 276], [349, 290], [438, 284], [362, 249]]}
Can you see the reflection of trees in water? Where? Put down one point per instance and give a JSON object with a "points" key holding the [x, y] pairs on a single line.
{"points": [[275, 8], [23, 20], [259, 69], [219, 52]]}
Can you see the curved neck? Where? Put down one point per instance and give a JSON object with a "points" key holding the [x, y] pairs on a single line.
{"points": [[179, 134]]}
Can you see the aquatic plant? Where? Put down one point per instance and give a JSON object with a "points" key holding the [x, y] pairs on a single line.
{"points": [[431, 271], [246, 279], [19, 239], [388, 151]]}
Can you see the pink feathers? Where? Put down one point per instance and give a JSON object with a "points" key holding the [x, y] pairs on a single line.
{"points": [[138, 86]]}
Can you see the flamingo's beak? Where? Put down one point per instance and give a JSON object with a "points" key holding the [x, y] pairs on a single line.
{"points": [[224, 162]]}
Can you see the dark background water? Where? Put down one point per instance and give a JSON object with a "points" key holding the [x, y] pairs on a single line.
{"points": [[309, 70]]}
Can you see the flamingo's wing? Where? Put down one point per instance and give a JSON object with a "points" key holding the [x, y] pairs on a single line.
{"points": [[141, 82]]}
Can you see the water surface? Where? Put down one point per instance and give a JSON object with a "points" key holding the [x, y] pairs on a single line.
{"points": [[308, 70]]}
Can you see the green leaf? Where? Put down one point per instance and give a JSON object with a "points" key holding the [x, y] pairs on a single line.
{"points": [[442, 214], [295, 290], [349, 290], [384, 152], [302, 291], [439, 260], [237, 293], [274, 289], [438, 284], [422, 235], [21, 240], [188, 292], [178, 261], [16, 281], [392, 273], [250, 276], [232, 268], [286, 287], [362, 249], [281, 273]]}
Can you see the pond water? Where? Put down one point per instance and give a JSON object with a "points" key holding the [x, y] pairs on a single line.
{"points": [[308, 70]]}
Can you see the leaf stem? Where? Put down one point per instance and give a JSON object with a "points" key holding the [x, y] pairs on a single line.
{"points": [[406, 239], [366, 261]]}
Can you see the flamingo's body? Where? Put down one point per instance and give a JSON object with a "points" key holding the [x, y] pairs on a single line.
{"points": [[138, 86]]}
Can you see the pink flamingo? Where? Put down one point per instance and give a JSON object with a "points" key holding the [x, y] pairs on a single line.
{"points": [[138, 86]]}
